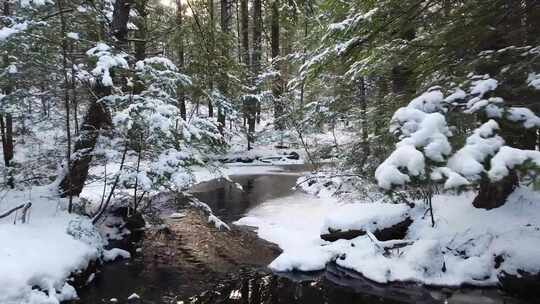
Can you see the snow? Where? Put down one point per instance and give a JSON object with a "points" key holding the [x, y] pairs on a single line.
{"points": [[366, 217], [428, 102], [115, 253], [105, 61], [523, 115], [457, 95], [140, 65], [460, 249], [420, 126], [294, 223], [203, 174], [507, 158], [219, 224], [177, 215], [469, 160], [491, 106], [351, 21], [45, 251], [453, 179], [389, 174], [74, 36], [25, 3], [483, 86], [533, 80], [7, 31]]}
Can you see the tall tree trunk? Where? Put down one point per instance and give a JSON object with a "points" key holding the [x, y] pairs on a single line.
{"points": [[65, 66], [181, 91], [256, 54], [211, 58], [238, 32], [98, 116], [363, 113], [6, 124], [249, 102], [119, 27], [224, 81], [532, 20], [290, 20], [277, 87], [141, 37], [244, 32], [6, 127]]}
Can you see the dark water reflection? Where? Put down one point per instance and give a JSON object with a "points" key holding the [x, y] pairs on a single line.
{"points": [[230, 203], [336, 285]]}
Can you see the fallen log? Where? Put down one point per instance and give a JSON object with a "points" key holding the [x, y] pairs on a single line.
{"points": [[24, 206], [395, 232]]}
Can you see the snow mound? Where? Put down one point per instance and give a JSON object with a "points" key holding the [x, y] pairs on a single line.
{"points": [[44, 251], [366, 217], [294, 223]]}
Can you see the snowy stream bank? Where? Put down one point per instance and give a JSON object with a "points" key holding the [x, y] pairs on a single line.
{"points": [[467, 246], [293, 220]]}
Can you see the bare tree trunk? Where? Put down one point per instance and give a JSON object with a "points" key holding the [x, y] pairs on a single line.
{"points": [[120, 19], [494, 194], [238, 31], [532, 20], [74, 99], [249, 102], [277, 87], [289, 27], [256, 58], [138, 168], [60, 5], [6, 8], [211, 57], [6, 124], [363, 113], [224, 82], [140, 41], [244, 32], [7, 146], [97, 118], [181, 61]]}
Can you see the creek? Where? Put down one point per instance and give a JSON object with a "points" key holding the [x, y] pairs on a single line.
{"points": [[195, 263]]}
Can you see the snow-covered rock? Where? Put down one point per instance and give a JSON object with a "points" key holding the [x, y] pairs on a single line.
{"points": [[115, 253]]}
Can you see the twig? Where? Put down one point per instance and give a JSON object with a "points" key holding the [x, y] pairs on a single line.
{"points": [[21, 206], [107, 202], [331, 176]]}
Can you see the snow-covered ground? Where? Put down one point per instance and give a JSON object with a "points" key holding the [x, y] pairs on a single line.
{"points": [[37, 257], [467, 245]]}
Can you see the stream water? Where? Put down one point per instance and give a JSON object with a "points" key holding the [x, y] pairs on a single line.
{"points": [[249, 282]]}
